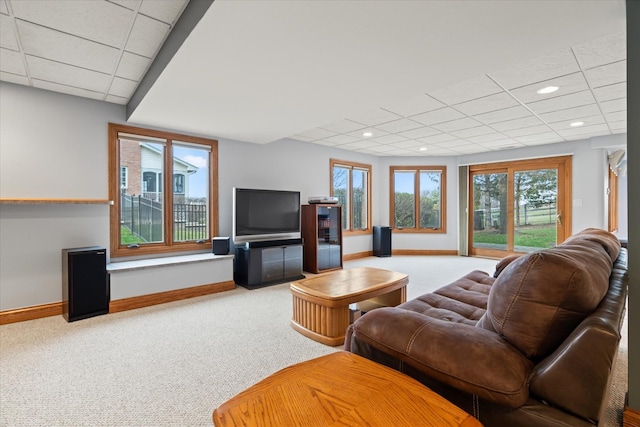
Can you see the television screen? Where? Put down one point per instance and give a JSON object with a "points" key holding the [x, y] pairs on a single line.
{"points": [[265, 215]]}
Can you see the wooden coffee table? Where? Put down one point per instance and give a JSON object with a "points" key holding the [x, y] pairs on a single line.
{"points": [[321, 303], [340, 389]]}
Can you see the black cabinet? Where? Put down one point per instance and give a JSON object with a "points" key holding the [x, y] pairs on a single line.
{"points": [[381, 241], [85, 283], [268, 263], [322, 234]]}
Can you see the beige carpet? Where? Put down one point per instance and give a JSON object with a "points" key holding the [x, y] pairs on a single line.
{"points": [[173, 364]]}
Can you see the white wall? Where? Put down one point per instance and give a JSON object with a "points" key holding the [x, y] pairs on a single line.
{"points": [[54, 145]]}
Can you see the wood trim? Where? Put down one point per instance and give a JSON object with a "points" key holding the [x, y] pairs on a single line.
{"points": [[424, 252], [30, 313], [168, 296], [630, 417], [357, 255], [53, 201]]}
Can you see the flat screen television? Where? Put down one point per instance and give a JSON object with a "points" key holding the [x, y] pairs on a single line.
{"points": [[260, 215]]}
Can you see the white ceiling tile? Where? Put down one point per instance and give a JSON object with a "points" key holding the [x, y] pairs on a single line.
{"points": [[359, 144], [467, 90], [60, 47], [116, 100], [607, 93], [55, 72], [399, 152], [586, 136], [607, 74], [408, 144], [614, 105], [122, 87], [11, 62], [457, 125], [341, 139], [532, 130], [399, 125], [546, 136], [619, 125], [55, 87], [559, 63], [3, 7], [619, 131], [438, 151], [132, 66], [302, 138], [435, 139], [495, 136], [382, 148], [421, 132], [475, 131], [501, 143], [100, 21], [374, 117], [588, 121], [165, 11], [573, 100], [542, 142], [516, 123], [616, 116], [388, 139], [14, 78], [343, 126], [498, 101], [571, 114], [567, 84], [316, 133], [129, 4], [7, 36], [511, 113], [452, 143], [325, 142], [602, 51], [470, 149], [413, 106], [438, 116], [146, 36], [584, 130]]}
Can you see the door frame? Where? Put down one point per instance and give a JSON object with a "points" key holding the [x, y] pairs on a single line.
{"points": [[563, 205]]}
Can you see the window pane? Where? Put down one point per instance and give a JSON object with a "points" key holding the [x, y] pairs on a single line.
{"points": [[360, 220], [190, 193], [405, 201], [341, 187], [535, 197], [141, 199], [430, 199], [490, 211]]}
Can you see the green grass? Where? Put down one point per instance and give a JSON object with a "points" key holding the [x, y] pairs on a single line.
{"points": [[126, 238], [536, 236]]}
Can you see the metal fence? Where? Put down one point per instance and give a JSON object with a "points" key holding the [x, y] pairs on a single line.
{"points": [[543, 215], [144, 219]]}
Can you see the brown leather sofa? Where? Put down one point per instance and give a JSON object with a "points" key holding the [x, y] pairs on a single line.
{"points": [[533, 346]]}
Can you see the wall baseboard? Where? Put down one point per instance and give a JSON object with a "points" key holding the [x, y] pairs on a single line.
{"points": [[358, 255], [168, 296], [30, 313], [55, 308], [630, 417]]}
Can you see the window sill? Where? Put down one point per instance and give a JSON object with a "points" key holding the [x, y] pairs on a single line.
{"points": [[139, 264]]}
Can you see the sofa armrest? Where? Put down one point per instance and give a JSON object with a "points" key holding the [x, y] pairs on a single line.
{"points": [[474, 360]]}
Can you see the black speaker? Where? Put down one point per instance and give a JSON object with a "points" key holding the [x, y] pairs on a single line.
{"points": [[381, 241], [220, 245], [85, 283]]}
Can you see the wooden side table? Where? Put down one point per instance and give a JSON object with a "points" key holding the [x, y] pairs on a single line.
{"points": [[340, 389], [321, 303]]}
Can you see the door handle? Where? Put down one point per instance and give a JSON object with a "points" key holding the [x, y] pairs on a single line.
{"points": [[559, 218]]}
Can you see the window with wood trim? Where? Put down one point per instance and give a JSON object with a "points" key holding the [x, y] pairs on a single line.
{"points": [[351, 184], [164, 191], [418, 199]]}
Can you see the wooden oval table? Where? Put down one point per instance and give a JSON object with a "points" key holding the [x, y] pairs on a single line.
{"points": [[321, 303], [340, 389]]}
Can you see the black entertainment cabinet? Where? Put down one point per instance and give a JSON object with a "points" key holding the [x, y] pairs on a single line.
{"points": [[269, 262]]}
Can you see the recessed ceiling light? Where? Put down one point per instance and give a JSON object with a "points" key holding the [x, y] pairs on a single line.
{"points": [[576, 124], [423, 148], [548, 89], [367, 134]]}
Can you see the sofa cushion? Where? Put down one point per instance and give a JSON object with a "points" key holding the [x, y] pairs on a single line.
{"points": [[463, 301], [539, 298]]}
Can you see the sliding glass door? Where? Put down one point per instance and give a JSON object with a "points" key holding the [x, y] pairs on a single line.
{"points": [[519, 207]]}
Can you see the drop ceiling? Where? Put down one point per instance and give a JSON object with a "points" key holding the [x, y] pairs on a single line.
{"points": [[424, 78]]}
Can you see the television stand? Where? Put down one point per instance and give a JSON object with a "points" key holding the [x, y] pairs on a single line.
{"points": [[266, 263]]}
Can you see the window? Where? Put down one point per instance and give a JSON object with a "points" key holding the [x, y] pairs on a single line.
{"points": [[351, 184], [146, 219], [418, 202]]}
